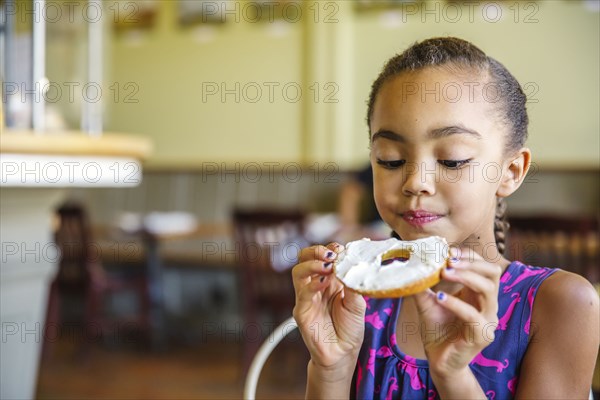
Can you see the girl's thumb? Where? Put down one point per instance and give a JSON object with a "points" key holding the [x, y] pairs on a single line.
{"points": [[353, 302]]}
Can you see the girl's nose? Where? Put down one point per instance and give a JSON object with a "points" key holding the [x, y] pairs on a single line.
{"points": [[419, 179]]}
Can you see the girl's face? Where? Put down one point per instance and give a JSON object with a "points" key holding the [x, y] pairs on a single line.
{"points": [[437, 156]]}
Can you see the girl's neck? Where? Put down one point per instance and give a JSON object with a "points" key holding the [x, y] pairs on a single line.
{"points": [[484, 246]]}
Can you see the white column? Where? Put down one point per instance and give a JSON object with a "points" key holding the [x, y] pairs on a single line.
{"points": [[39, 66], [91, 118], [27, 266]]}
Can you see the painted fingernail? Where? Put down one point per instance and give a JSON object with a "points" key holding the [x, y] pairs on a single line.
{"points": [[321, 279], [329, 254], [450, 270], [327, 264], [441, 296], [454, 254]]}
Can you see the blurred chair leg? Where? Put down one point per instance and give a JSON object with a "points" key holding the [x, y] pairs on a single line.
{"points": [[52, 327], [93, 329], [144, 304], [155, 290]]}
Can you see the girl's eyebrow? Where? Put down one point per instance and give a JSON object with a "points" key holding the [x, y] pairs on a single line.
{"points": [[434, 133], [453, 130], [382, 133]]}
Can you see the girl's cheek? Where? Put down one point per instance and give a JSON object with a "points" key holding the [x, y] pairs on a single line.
{"points": [[386, 191], [460, 176], [454, 176], [385, 199]]}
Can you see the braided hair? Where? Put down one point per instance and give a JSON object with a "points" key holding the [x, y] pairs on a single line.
{"points": [[461, 55]]}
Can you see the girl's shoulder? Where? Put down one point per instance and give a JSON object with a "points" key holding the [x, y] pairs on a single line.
{"points": [[565, 294], [562, 298], [564, 332], [555, 288], [548, 298]]}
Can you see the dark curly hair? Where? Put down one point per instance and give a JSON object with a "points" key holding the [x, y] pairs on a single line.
{"points": [[461, 55]]}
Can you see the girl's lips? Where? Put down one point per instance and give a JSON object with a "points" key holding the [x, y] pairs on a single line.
{"points": [[419, 217]]}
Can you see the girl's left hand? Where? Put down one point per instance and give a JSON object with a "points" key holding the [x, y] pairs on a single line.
{"points": [[455, 328]]}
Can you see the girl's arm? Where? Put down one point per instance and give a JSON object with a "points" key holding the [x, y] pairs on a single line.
{"points": [[331, 382], [560, 358], [331, 321]]}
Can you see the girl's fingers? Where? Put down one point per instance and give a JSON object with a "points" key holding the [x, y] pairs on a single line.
{"points": [[476, 329], [315, 261], [471, 279], [353, 301], [316, 253], [309, 268], [485, 288], [491, 271], [462, 310], [309, 294], [338, 248], [304, 273], [425, 300], [464, 253], [467, 258]]}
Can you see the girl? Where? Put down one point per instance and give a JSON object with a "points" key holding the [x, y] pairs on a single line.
{"points": [[447, 128]]}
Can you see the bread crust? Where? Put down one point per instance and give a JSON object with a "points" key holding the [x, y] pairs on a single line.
{"points": [[406, 290]]}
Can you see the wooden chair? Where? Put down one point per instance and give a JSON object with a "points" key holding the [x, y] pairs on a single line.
{"points": [[267, 244], [570, 243], [82, 279]]}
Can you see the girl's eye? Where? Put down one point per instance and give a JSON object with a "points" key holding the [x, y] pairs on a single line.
{"points": [[393, 164], [454, 164]]}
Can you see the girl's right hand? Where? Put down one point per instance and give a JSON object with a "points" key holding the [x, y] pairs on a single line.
{"points": [[330, 317]]}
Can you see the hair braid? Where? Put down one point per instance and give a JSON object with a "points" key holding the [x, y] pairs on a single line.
{"points": [[501, 225]]}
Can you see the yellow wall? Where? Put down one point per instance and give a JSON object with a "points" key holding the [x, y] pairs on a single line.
{"points": [[558, 54], [170, 66]]}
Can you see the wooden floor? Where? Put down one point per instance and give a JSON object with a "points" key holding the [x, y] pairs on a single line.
{"points": [[184, 371]]}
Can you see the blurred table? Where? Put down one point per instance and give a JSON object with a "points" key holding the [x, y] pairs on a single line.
{"points": [[153, 249]]}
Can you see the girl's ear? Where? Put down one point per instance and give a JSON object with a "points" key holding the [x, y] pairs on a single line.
{"points": [[515, 173]]}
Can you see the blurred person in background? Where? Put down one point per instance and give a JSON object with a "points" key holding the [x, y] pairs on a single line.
{"points": [[357, 210]]}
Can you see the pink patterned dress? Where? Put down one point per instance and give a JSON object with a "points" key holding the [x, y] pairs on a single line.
{"points": [[384, 372]]}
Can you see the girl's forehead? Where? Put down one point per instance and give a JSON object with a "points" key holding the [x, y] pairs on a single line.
{"points": [[434, 98], [438, 88], [451, 71], [442, 83]]}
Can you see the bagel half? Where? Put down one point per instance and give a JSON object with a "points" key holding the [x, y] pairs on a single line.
{"points": [[392, 267]]}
